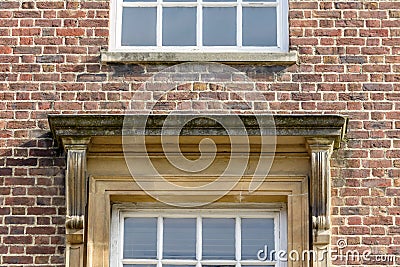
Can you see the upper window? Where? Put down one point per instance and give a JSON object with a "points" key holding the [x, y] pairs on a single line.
{"points": [[199, 25], [202, 238]]}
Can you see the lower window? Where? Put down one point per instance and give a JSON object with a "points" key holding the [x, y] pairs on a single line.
{"points": [[197, 238]]}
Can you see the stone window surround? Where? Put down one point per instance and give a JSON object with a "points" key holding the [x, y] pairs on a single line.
{"points": [[322, 134], [282, 38]]}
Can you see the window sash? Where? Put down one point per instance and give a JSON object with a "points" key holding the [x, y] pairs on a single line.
{"points": [[117, 231], [282, 37]]}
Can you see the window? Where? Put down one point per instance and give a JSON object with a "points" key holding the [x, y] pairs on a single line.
{"points": [[200, 25], [196, 238]]}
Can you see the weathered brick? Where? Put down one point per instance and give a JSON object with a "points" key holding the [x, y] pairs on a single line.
{"points": [[347, 64], [70, 32], [50, 59]]}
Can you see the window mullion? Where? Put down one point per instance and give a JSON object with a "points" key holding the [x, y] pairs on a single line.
{"points": [[121, 248], [279, 24], [118, 22], [199, 26], [159, 23], [199, 240], [160, 240], [239, 24], [238, 241]]}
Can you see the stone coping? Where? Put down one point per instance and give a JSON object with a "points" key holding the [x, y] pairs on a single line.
{"points": [[88, 125]]}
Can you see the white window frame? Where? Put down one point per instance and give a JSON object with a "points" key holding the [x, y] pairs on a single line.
{"points": [[116, 27], [117, 231]]}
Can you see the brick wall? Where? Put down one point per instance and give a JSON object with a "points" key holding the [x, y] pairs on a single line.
{"points": [[349, 63]]}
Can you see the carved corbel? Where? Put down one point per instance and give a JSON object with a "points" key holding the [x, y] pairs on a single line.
{"points": [[76, 194], [320, 150]]}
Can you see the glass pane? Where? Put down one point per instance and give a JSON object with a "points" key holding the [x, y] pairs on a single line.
{"points": [[179, 1], [179, 239], [219, 0], [179, 26], [140, 238], [218, 239], [219, 26], [139, 26], [269, 1], [140, 1], [256, 234], [138, 265], [253, 34]]}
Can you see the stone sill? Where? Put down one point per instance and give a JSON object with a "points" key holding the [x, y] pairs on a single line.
{"points": [[270, 58]]}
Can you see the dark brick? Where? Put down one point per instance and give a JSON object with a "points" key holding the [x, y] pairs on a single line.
{"points": [[19, 220], [87, 77], [50, 59], [352, 59]]}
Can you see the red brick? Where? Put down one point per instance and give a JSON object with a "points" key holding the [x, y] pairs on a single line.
{"points": [[46, 230], [70, 32], [17, 240], [378, 220], [18, 259], [40, 250]]}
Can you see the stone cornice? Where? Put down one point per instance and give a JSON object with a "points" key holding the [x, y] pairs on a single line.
{"points": [[78, 126]]}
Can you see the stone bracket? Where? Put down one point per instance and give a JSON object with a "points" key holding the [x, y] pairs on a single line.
{"points": [[320, 150], [76, 198]]}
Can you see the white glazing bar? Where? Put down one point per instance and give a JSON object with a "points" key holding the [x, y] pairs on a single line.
{"points": [[218, 262], [279, 25], [140, 261], [239, 24], [199, 240], [238, 240], [141, 4], [284, 30], [159, 23], [259, 4], [199, 26], [160, 234], [282, 240], [219, 4], [179, 4], [211, 49], [118, 31], [121, 244], [179, 262]]}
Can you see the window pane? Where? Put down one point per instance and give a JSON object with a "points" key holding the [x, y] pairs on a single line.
{"points": [[219, 0], [219, 26], [139, 26], [179, 26], [269, 1], [253, 33], [179, 1], [140, 238], [140, 1], [139, 265], [256, 234], [219, 239], [179, 238]]}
